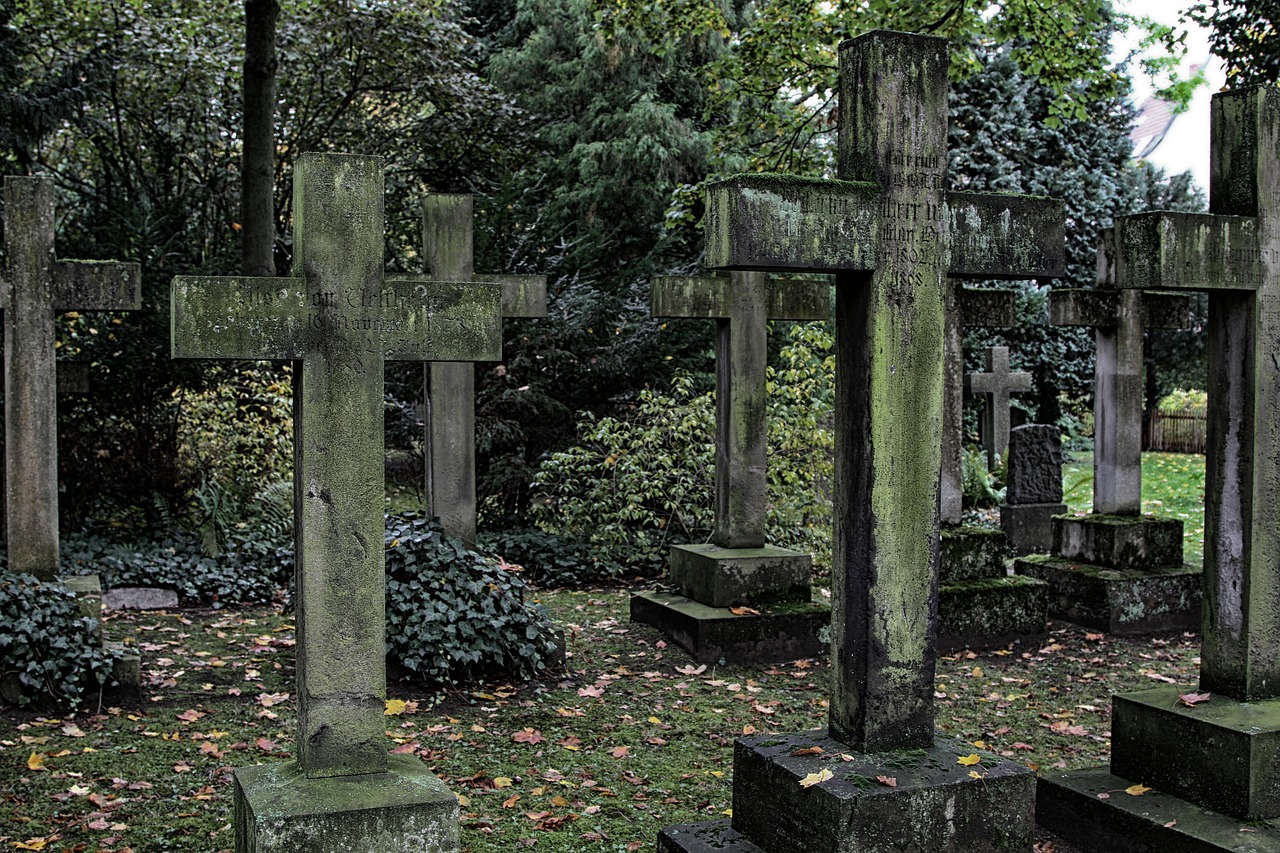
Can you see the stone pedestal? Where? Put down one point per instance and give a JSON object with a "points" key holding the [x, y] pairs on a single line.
{"points": [[127, 669], [405, 810], [712, 634], [980, 605], [1119, 574], [1030, 526], [934, 804], [728, 577]]}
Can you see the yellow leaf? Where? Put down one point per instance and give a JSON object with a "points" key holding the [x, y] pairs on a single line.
{"points": [[974, 774], [395, 707], [36, 762], [501, 782], [31, 844], [969, 760], [1136, 790], [977, 672], [816, 778]]}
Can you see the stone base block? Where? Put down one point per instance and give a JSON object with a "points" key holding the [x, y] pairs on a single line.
{"points": [[727, 577], [992, 613], [127, 670], [1221, 755], [1030, 526], [972, 553], [1090, 810], [1118, 601], [278, 809], [936, 804], [713, 634], [1119, 541], [88, 593], [139, 598], [717, 836]]}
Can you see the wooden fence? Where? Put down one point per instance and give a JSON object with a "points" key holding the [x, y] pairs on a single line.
{"points": [[1183, 432]]}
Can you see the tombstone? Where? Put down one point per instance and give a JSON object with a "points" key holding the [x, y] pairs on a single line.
{"points": [[449, 448], [980, 605], [1033, 488], [892, 235], [34, 287], [738, 569], [1210, 760], [339, 319], [996, 385], [1115, 569]]}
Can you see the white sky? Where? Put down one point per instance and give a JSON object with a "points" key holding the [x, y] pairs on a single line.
{"points": [[1186, 146]]}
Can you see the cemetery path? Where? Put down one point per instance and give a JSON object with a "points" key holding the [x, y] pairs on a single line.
{"points": [[632, 737]]}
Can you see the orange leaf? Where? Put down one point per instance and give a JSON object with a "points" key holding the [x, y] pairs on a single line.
{"points": [[530, 736], [620, 751], [190, 715], [510, 801], [1136, 790], [808, 750], [890, 781], [1193, 699], [744, 611]]}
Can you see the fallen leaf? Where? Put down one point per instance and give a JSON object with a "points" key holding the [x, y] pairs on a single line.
{"points": [[808, 750], [190, 715], [501, 781], [31, 844], [620, 751], [530, 736], [1136, 790], [816, 778], [395, 707], [36, 761], [744, 611], [691, 669], [974, 774], [889, 781], [969, 760], [1193, 699]]}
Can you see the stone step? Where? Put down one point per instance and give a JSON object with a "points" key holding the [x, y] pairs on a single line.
{"points": [[717, 836], [970, 553], [1119, 601], [992, 613], [712, 634]]}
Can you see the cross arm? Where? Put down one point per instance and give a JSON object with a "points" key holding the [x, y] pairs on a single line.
{"points": [[987, 306], [522, 295], [710, 297], [1006, 236], [236, 317], [1182, 251], [97, 286], [784, 223]]}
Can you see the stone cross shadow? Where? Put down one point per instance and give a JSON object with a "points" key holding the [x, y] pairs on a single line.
{"points": [[338, 319]]}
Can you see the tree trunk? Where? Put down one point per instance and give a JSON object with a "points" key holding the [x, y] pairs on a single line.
{"points": [[257, 248]]}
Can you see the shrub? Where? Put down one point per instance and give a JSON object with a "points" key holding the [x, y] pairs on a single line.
{"points": [[453, 613], [48, 650], [979, 486], [1182, 401], [554, 560]]}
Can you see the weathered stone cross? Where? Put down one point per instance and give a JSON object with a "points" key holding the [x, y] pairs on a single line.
{"points": [[996, 385], [892, 234], [742, 305], [1218, 754], [339, 319], [1119, 317], [449, 449], [35, 286]]}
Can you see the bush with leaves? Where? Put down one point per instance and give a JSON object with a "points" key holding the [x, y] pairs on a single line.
{"points": [[453, 613], [555, 560], [49, 652]]}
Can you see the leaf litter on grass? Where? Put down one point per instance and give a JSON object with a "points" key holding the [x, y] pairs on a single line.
{"points": [[630, 738]]}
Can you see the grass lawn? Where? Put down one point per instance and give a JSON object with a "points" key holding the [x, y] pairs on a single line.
{"points": [[1172, 487], [631, 738]]}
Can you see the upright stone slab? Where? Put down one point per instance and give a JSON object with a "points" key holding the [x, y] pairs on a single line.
{"points": [[996, 384], [892, 235], [1212, 764], [34, 287], [449, 449], [338, 320], [1116, 569], [1033, 488], [738, 567]]}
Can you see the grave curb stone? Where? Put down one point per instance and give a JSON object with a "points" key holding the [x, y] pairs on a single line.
{"points": [[712, 634], [990, 613], [714, 836], [1118, 541], [407, 809], [726, 577], [139, 598], [1118, 601]]}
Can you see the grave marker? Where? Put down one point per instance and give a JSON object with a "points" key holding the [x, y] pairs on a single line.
{"points": [[34, 287], [996, 385], [339, 319], [892, 235], [738, 567], [449, 448], [1216, 755]]}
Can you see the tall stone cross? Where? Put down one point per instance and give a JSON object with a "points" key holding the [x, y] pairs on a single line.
{"points": [[996, 384], [34, 286], [1233, 253], [965, 307], [449, 455], [1119, 318], [742, 305], [892, 234], [338, 319]]}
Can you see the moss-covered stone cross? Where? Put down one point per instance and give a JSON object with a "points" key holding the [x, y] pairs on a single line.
{"points": [[33, 287], [338, 319], [449, 449], [997, 383], [892, 234], [742, 304]]}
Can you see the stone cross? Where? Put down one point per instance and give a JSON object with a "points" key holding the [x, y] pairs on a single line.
{"points": [[1232, 253], [338, 319], [964, 307], [1119, 317], [742, 305], [449, 449], [892, 235], [996, 384], [34, 286]]}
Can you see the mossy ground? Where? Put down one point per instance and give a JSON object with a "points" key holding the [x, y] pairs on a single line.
{"points": [[633, 737], [1172, 487]]}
